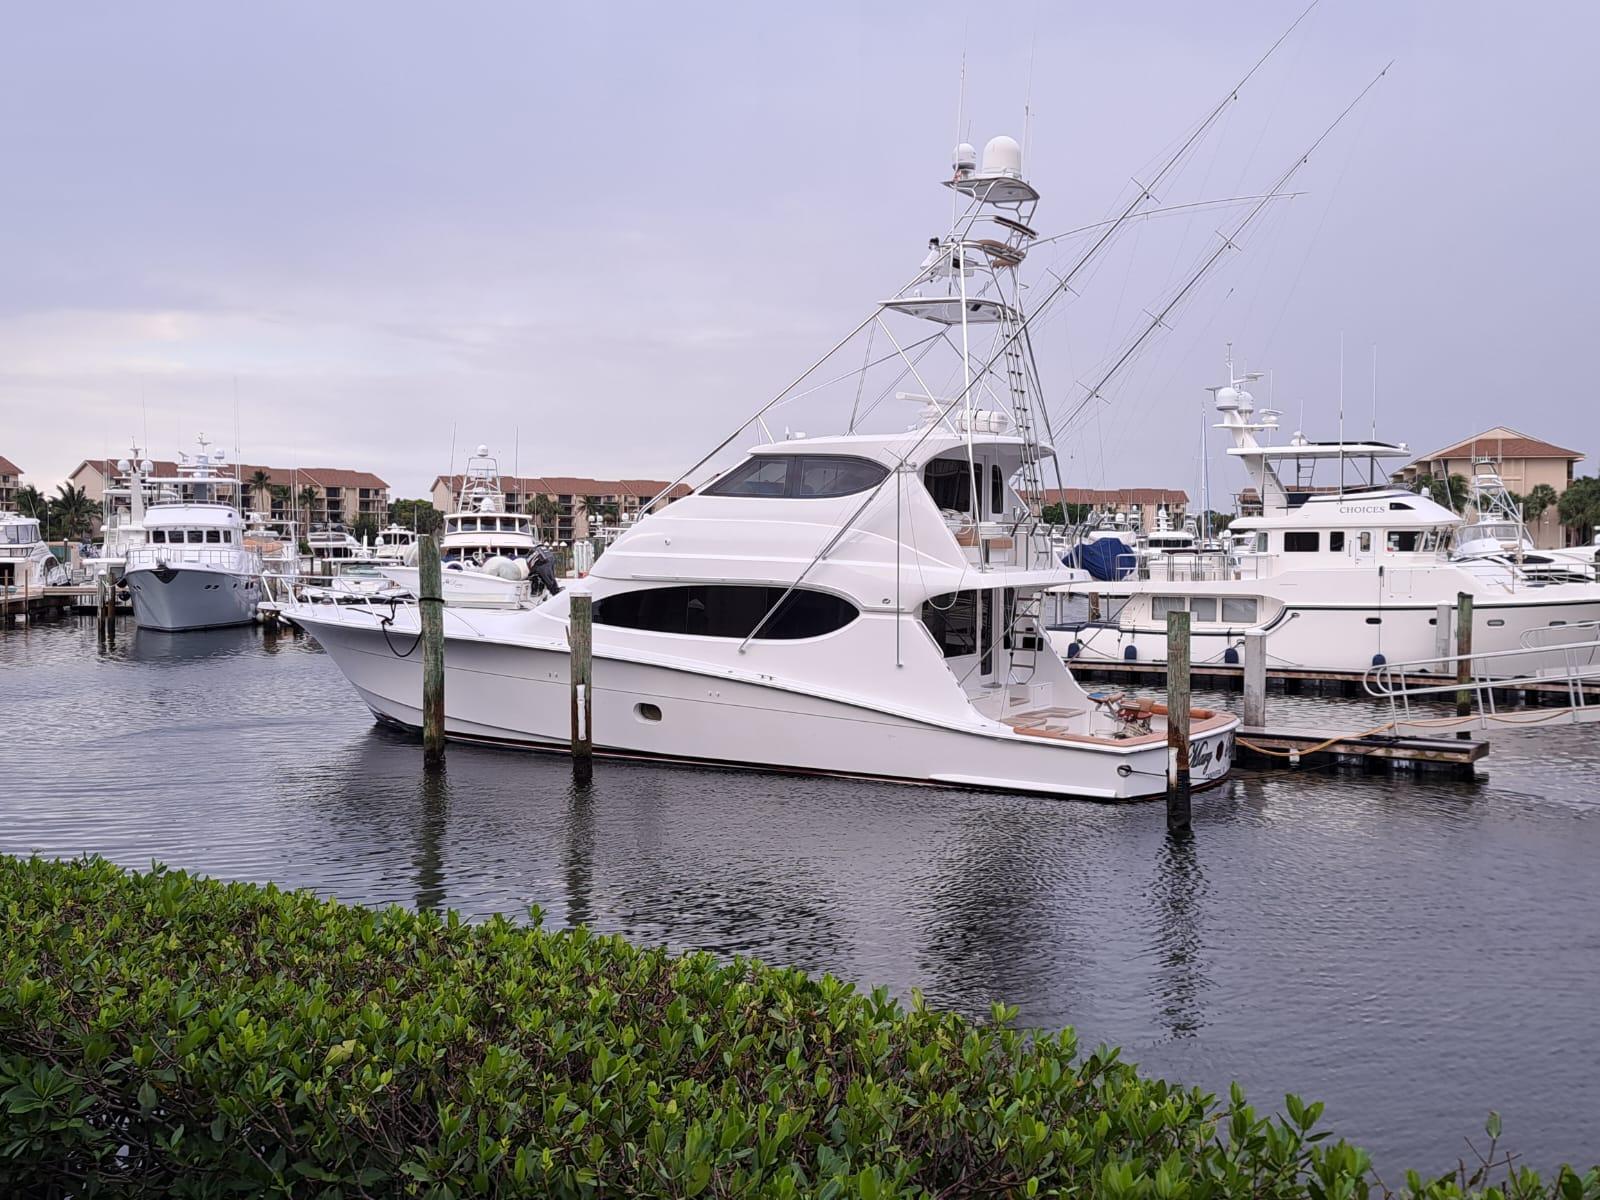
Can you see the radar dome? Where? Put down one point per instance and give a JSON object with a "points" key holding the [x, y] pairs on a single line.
{"points": [[965, 157], [147, 467], [483, 452], [124, 466], [1002, 156]]}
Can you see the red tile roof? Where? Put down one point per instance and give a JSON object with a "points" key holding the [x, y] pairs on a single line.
{"points": [[1494, 445], [1117, 497], [296, 476], [7, 467], [571, 485]]}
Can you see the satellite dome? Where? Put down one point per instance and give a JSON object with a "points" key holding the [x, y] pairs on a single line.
{"points": [[124, 466], [483, 451], [964, 158], [1002, 156], [147, 467]]}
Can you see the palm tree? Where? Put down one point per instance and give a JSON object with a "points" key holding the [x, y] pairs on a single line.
{"points": [[308, 499], [545, 509], [1538, 499], [260, 485], [74, 511], [281, 494], [31, 502]]}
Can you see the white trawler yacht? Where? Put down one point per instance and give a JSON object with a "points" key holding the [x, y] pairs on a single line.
{"points": [[1340, 578], [863, 604], [194, 570], [26, 562]]}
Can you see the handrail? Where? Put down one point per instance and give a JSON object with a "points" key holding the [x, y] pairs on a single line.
{"points": [[1576, 665]]}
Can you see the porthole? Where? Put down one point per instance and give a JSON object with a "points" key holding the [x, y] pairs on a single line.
{"points": [[1496, 621], [647, 712], [1374, 620]]}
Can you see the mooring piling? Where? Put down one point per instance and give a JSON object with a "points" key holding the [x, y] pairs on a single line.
{"points": [[1255, 679], [1464, 659], [430, 602], [1177, 721], [580, 638]]}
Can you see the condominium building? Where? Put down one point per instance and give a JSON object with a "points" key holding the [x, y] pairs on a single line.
{"points": [[1139, 505], [10, 481], [310, 495], [1523, 463]]}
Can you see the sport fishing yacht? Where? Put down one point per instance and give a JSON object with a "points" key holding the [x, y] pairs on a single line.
{"points": [[1497, 533], [194, 570], [26, 561], [859, 604], [489, 555], [1340, 578]]}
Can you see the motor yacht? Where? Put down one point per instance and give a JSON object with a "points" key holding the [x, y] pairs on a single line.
{"points": [[1339, 576], [864, 603], [395, 545], [26, 561], [329, 542], [122, 516], [194, 570]]}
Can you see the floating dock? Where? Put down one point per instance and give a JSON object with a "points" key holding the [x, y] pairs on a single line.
{"points": [[1277, 749]]}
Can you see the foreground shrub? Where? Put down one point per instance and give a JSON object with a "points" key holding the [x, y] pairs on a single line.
{"points": [[165, 1034]]}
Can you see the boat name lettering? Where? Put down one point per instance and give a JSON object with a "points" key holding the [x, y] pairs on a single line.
{"points": [[1362, 508]]}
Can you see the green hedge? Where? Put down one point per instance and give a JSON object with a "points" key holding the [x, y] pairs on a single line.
{"points": [[162, 1034]]}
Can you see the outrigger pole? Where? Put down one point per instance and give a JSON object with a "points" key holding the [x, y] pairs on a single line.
{"points": [[1229, 242]]}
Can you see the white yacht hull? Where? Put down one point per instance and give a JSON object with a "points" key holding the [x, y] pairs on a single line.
{"points": [[465, 588], [1332, 639], [191, 597], [521, 695]]}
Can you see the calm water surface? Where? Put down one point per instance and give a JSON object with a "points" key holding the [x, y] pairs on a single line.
{"points": [[1413, 951]]}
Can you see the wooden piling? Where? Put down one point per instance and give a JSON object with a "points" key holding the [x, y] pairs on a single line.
{"points": [[580, 638], [1094, 606], [1255, 678], [1177, 721], [1463, 664], [430, 600], [1442, 614]]}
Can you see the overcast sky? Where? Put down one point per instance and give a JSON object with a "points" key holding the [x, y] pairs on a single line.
{"points": [[606, 233]]}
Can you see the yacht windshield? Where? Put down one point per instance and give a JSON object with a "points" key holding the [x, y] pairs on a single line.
{"points": [[799, 476], [19, 533]]}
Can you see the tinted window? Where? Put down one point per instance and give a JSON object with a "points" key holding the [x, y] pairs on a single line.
{"points": [[953, 621], [997, 490], [158, 535], [1301, 542], [759, 477], [214, 535], [1336, 540], [726, 611], [1404, 539], [196, 535], [1204, 608], [800, 476], [825, 475], [949, 483]]}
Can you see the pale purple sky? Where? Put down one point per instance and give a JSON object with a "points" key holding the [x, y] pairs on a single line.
{"points": [[609, 232]]}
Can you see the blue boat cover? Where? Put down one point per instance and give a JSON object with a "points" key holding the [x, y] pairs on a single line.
{"points": [[1105, 559]]}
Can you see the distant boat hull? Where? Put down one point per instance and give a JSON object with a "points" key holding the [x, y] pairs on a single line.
{"points": [[191, 597]]}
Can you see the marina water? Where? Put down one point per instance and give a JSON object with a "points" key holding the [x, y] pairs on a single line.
{"points": [[1415, 951]]}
